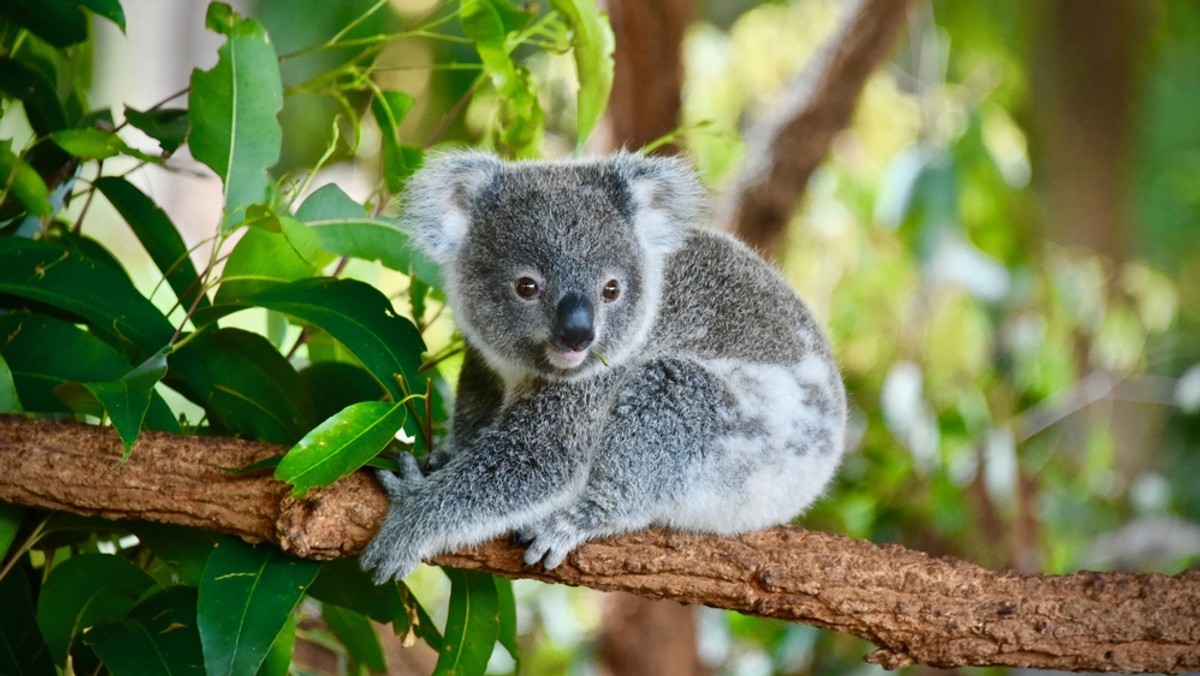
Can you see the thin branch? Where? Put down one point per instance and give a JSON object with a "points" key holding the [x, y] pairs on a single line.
{"points": [[793, 137], [917, 609]]}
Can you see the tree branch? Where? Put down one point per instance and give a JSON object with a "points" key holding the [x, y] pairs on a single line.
{"points": [[918, 609], [792, 138]]}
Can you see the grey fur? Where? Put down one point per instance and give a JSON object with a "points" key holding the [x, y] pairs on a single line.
{"points": [[720, 410]]}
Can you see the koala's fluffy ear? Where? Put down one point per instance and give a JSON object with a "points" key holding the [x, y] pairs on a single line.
{"points": [[437, 201], [667, 198]]}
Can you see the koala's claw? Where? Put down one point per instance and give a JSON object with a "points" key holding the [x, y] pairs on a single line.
{"points": [[550, 543]]}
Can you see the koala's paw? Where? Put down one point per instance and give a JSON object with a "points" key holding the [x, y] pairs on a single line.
{"points": [[550, 541], [392, 554]]}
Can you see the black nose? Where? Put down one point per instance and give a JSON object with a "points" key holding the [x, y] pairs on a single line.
{"points": [[573, 322]]}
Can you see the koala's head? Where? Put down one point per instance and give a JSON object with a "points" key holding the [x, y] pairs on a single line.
{"points": [[550, 264]]}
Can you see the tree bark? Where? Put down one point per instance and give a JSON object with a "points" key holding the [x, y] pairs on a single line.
{"points": [[918, 609], [792, 138], [647, 73]]}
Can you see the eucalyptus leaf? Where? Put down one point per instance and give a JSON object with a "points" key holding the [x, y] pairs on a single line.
{"points": [[343, 582], [399, 161], [340, 445], [95, 144], [279, 658], [10, 402], [355, 632], [10, 521], [334, 385], [508, 619], [261, 260], [521, 117], [246, 384], [233, 109], [158, 236], [35, 346], [247, 595], [168, 126], [51, 273], [36, 92], [593, 43], [127, 399], [85, 590], [343, 227], [19, 180], [472, 624], [22, 650], [158, 637], [358, 316]]}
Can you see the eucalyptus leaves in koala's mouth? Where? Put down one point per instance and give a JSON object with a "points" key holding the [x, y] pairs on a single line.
{"points": [[624, 366]]}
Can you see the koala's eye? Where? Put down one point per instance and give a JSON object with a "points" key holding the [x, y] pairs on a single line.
{"points": [[527, 288], [611, 290]]}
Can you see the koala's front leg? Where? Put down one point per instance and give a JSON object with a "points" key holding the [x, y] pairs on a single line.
{"points": [[532, 461]]}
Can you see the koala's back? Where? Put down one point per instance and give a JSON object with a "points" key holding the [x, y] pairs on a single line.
{"points": [[777, 435], [721, 300]]}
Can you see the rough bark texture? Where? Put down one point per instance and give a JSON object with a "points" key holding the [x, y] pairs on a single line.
{"points": [[793, 136], [917, 609]]}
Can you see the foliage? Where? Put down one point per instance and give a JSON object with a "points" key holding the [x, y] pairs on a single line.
{"points": [[337, 373]]}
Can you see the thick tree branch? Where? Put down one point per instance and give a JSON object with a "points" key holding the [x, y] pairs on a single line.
{"points": [[918, 609], [791, 139]]}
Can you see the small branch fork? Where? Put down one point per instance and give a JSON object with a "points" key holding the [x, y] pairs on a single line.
{"points": [[918, 609]]}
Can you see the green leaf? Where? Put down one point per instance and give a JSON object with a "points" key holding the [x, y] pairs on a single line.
{"points": [[357, 315], [109, 9], [168, 126], [593, 44], [342, 582], [261, 260], [86, 590], [234, 128], [472, 624], [10, 521], [58, 22], [9, 401], [399, 161], [158, 637], [342, 227], [508, 619], [246, 597], [36, 345], [158, 236], [36, 92], [279, 658], [20, 180], [22, 650], [95, 144], [340, 445], [127, 399], [184, 550], [52, 274], [246, 384], [358, 636], [334, 385], [521, 117]]}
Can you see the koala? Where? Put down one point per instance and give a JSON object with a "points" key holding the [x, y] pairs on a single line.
{"points": [[624, 367]]}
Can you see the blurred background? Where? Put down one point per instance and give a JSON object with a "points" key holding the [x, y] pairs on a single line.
{"points": [[1002, 236]]}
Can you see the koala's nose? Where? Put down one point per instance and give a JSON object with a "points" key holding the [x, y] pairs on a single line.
{"points": [[574, 322]]}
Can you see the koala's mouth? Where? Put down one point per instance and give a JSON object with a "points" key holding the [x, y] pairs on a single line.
{"points": [[565, 359]]}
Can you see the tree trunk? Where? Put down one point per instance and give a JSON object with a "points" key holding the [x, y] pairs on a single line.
{"points": [[648, 72], [917, 609]]}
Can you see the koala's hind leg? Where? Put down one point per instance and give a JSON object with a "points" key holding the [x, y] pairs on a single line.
{"points": [[645, 458]]}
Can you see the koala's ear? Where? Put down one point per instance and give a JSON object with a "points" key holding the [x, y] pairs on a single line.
{"points": [[437, 201], [667, 198]]}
